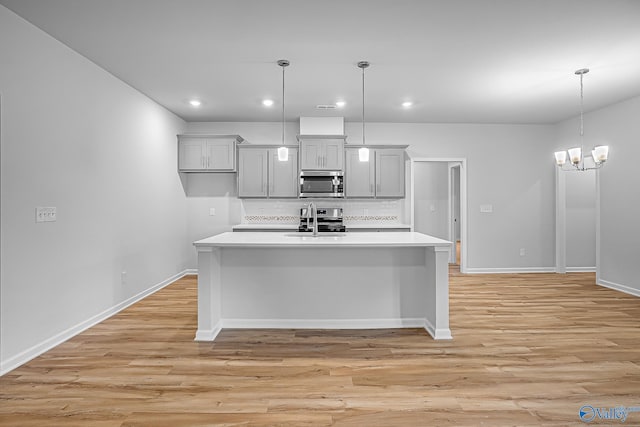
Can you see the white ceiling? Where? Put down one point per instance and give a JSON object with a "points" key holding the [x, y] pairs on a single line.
{"points": [[475, 61]]}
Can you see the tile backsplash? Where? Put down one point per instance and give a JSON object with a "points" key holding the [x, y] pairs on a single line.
{"points": [[355, 211]]}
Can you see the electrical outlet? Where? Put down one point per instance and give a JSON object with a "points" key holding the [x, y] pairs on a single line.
{"points": [[46, 214], [212, 211], [522, 252], [123, 277], [432, 208]]}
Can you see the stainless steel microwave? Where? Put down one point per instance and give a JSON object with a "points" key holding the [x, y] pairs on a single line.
{"points": [[322, 184]]}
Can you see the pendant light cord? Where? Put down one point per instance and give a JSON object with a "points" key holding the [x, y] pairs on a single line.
{"points": [[362, 65], [283, 105], [582, 119], [581, 73], [283, 63], [363, 105]]}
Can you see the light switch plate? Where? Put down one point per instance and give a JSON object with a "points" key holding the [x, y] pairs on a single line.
{"points": [[46, 214], [212, 211]]}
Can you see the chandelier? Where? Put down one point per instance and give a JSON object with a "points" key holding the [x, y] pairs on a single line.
{"points": [[599, 154]]}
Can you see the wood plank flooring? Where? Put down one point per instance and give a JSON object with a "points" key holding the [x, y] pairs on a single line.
{"points": [[528, 349]]}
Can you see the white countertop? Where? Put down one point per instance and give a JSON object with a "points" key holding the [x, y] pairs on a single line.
{"points": [[268, 227], [341, 240]]}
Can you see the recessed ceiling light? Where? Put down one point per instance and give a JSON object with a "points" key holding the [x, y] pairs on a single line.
{"points": [[267, 102], [340, 104], [195, 102], [407, 104]]}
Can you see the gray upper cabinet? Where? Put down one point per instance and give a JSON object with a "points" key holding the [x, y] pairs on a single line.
{"points": [[283, 176], [389, 173], [252, 172], [382, 176], [262, 175], [360, 177], [321, 152], [207, 153]]}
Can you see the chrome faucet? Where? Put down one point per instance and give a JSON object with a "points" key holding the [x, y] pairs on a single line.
{"points": [[312, 207]]}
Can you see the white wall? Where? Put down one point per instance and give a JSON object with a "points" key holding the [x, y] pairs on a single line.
{"points": [[509, 166], [618, 126], [75, 137], [431, 198], [580, 220]]}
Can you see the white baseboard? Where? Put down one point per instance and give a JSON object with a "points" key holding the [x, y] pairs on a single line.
{"points": [[189, 271], [208, 335], [35, 351], [581, 269], [510, 270], [618, 287], [437, 334], [323, 323]]}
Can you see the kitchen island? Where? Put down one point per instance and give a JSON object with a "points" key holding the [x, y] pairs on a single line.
{"points": [[332, 281]]}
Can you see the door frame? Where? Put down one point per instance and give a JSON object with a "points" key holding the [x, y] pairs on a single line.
{"points": [[464, 237]]}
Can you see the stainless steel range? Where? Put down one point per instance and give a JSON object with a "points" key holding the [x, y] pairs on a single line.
{"points": [[329, 220]]}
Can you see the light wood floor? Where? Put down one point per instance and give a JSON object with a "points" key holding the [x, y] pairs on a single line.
{"points": [[527, 350]]}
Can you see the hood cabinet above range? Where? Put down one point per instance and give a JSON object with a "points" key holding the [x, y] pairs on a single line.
{"points": [[321, 152]]}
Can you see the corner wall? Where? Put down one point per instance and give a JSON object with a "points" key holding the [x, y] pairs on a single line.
{"points": [[617, 126], [75, 137]]}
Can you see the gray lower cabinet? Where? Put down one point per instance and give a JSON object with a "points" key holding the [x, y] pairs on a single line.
{"points": [[382, 176], [262, 175]]}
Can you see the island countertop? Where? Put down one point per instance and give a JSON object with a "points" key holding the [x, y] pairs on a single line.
{"points": [[340, 240]]}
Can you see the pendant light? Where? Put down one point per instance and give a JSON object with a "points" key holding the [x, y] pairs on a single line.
{"points": [[283, 152], [363, 153], [600, 154]]}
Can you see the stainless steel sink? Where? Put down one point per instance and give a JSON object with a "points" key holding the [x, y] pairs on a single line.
{"points": [[320, 235]]}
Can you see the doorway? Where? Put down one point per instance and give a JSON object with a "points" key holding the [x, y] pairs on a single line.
{"points": [[439, 203], [577, 221], [454, 211]]}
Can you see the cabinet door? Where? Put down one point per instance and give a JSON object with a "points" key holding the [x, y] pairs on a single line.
{"points": [[310, 154], [191, 154], [252, 172], [359, 176], [220, 154], [283, 175], [333, 155], [390, 173]]}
